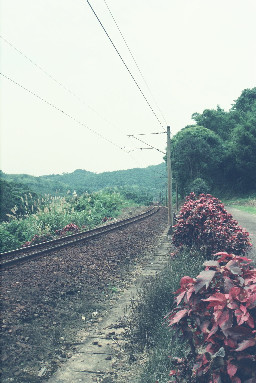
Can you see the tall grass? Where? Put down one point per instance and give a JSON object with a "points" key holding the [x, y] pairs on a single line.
{"points": [[49, 214]]}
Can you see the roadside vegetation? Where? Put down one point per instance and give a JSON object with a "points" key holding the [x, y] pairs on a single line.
{"points": [[217, 153], [247, 204], [196, 320], [41, 219]]}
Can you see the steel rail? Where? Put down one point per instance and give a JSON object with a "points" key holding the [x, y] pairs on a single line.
{"points": [[16, 256]]}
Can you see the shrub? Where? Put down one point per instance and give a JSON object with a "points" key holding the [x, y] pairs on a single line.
{"points": [[216, 314], [7, 239], [198, 186], [204, 223], [68, 229]]}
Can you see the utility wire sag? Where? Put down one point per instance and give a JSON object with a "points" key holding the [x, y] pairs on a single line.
{"points": [[54, 79], [62, 111], [124, 63], [134, 60], [152, 147]]}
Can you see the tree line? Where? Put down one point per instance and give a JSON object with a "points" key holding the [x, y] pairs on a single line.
{"points": [[218, 153]]}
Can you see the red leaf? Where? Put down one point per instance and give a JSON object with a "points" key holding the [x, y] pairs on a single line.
{"points": [[245, 344], [234, 292], [216, 378], [189, 293], [235, 379], [185, 281], [178, 316], [229, 342], [233, 266], [231, 368], [252, 301], [211, 264], [204, 279], [225, 321], [204, 326], [217, 298], [180, 297], [228, 284]]}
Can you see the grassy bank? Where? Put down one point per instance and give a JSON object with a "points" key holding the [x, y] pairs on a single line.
{"points": [[247, 204], [149, 334], [247, 209]]}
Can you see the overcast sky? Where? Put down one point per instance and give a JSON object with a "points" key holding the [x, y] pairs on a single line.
{"points": [[193, 55]]}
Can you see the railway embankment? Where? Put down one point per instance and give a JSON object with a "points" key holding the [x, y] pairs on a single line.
{"points": [[54, 305]]}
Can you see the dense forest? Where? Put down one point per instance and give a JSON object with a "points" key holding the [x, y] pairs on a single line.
{"points": [[218, 153]]}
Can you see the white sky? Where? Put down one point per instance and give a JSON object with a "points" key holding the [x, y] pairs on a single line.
{"points": [[194, 54]]}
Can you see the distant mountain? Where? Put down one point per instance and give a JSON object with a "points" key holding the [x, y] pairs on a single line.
{"points": [[151, 179]]}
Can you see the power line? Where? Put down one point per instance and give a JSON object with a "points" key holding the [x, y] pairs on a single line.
{"points": [[53, 78], [124, 63], [134, 60], [64, 87], [152, 147], [62, 111], [146, 134]]}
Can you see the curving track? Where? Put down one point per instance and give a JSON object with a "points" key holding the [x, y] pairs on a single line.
{"points": [[46, 301], [21, 255]]}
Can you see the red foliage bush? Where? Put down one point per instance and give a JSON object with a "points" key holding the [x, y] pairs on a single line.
{"points": [[204, 223], [216, 314], [70, 228]]}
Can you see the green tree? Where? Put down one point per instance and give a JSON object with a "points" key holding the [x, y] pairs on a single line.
{"points": [[218, 121], [246, 101], [197, 152], [243, 152]]}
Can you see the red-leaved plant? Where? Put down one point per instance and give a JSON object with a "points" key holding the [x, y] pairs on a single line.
{"points": [[204, 223], [70, 228], [38, 239], [216, 314]]}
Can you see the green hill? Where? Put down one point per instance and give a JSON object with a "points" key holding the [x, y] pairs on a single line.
{"points": [[140, 183]]}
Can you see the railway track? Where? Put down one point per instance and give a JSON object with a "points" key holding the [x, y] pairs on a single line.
{"points": [[18, 256]]}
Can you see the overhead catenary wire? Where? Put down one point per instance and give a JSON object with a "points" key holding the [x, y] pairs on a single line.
{"points": [[65, 88], [134, 60], [70, 92], [62, 111], [146, 134], [151, 146], [57, 81], [54, 79], [124, 63]]}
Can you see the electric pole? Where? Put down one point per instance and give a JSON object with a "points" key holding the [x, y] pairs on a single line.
{"points": [[169, 178]]}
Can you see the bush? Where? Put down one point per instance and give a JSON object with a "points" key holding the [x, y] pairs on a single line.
{"points": [[216, 315], [204, 223], [53, 215], [198, 186], [7, 240]]}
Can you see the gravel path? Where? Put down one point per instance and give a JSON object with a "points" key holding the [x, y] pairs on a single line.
{"points": [[247, 221]]}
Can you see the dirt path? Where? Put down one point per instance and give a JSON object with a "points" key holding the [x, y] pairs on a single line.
{"points": [[247, 221], [100, 351]]}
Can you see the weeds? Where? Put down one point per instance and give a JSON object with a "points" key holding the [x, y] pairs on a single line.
{"points": [[52, 214], [148, 330]]}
